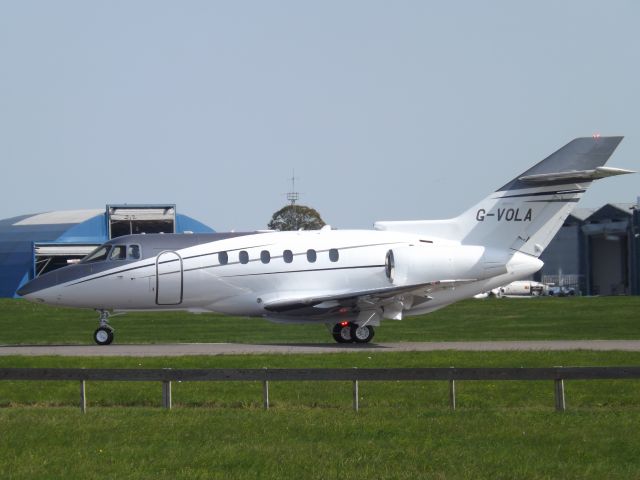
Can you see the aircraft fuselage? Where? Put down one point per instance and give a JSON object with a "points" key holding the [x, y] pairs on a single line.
{"points": [[240, 275]]}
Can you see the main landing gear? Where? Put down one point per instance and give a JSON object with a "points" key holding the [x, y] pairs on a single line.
{"points": [[347, 332], [104, 333]]}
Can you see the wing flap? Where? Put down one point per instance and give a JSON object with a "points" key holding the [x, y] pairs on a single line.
{"points": [[372, 297]]}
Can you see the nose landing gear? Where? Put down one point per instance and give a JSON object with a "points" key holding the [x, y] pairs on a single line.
{"points": [[104, 333]]}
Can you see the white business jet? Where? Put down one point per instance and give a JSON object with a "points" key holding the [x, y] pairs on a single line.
{"points": [[347, 279]]}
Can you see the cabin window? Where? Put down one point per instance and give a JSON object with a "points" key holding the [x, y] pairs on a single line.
{"points": [[118, 253], [133, 252], [244, 257], [98, 255], [334, 256], [265, 256], [311, 255], [287, 256], [223, 258]]}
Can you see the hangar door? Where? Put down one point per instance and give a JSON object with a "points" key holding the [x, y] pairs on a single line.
{"points": [[130, 219], [169, 282], [609, 272], [51, 256]]}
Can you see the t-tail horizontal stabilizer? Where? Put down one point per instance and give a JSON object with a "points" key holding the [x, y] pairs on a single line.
{"points": [[527, 212], [575, 176]]}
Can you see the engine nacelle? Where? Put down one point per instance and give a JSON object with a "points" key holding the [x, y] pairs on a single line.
{"points": [[412, 265]]}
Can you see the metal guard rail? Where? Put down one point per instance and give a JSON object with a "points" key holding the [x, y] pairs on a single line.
{"points": [[355, 375]]}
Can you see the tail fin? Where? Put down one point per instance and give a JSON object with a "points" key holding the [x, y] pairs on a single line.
{"points": [[526, 213]]}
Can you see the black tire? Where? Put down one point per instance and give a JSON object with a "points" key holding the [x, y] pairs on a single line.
{"points": [[103, 335], [362, 334], [342, 333]]}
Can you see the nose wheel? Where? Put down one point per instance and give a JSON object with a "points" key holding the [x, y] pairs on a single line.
{"points": [[104, 333]]}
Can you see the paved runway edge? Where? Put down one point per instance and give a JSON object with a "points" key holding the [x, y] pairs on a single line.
{"points": [[186, 349]]}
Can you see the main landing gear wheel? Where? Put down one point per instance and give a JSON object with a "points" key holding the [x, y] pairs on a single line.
{"points": [[342, 332], [103, 335], [347, 332], [361, 334]]}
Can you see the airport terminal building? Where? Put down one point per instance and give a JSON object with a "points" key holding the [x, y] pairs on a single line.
{"points": [[597, 251], [31, 245]]}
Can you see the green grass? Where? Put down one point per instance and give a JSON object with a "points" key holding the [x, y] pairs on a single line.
{"points": [[403, 430], [492, 319], [317, 444]]}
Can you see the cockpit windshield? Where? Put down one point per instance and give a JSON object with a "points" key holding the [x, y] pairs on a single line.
{"points": [[118, 253], [113, 253], [98, 255]]}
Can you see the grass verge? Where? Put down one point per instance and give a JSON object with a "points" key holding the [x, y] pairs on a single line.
{"points": [[22, 322], [141, 443]]}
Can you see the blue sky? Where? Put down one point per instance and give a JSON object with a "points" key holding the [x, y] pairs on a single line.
{"points": [[386, 110]]}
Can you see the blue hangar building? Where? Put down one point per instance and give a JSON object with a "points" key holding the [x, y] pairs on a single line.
{"points": [[31, 245]]}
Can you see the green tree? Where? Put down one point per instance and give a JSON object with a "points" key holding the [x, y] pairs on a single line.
{"points": [[295, 217]]}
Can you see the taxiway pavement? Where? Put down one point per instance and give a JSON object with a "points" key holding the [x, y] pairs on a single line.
{"points": [[183, 349]]}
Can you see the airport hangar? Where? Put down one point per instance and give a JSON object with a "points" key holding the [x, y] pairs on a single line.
{"points": [[31, 245], [596, 252]]}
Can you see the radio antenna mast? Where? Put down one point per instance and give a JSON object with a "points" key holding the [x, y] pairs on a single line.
{"points": [[293, 196]]}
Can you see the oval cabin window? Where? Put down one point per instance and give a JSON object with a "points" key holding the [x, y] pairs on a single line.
{"points": [[311, 255]]}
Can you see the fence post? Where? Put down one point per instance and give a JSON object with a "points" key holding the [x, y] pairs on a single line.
{"points": [[265, 391], [559, 394], [83, 397], [166, 394], [452, 394], [356, 403]]}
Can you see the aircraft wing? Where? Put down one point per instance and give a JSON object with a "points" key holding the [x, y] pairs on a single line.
{"points": [[372, 298]]}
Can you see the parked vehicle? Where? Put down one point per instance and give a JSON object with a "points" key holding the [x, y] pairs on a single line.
{"points": [[561, 291]]}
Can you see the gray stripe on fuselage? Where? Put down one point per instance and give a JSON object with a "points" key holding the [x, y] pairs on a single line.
{"points": [[243, 247], [151, 245], [355, 267], [110, 272], [154, 243]]}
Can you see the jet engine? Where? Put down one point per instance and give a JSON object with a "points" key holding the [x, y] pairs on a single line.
{"points": [[411, 265]]}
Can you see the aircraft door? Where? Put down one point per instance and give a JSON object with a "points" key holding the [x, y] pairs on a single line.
{"points": [[169, 281]]}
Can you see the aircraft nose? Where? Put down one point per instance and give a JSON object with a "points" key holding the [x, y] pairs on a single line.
{"points": [[31, 287], [28, 290], [44, 288]]}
